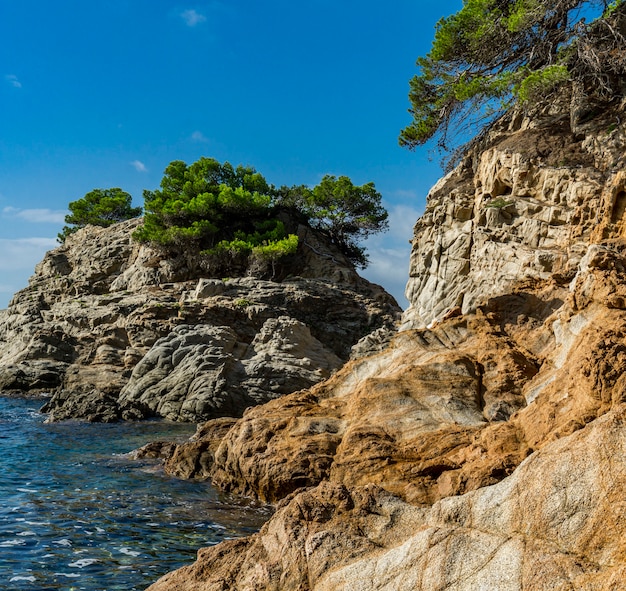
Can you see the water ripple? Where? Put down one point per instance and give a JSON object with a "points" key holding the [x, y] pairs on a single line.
{"points": [[74, 510]]}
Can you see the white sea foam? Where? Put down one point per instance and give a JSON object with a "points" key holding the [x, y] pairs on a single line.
{"points": [[129, 552], [9, 543], [83, 562], [26, 533], [62, 542], [67, 575], [28, 578]]}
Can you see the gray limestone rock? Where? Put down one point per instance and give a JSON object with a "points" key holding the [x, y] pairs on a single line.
{"points": [[100, 302], [522, 206], [202, 372]]}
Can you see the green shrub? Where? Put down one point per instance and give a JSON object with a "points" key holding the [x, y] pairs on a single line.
{"points": [[541, 82], [231, 217], [100, 207], [498, 203]]}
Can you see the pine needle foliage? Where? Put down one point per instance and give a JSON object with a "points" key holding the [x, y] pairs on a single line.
{"points": [[100, 207], [236, 221], [494, 53]]}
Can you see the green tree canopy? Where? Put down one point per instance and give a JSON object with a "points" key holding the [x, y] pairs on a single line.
{"points": [[203, 203], [222, 213], [233, 217], [100, 207], [345, 212], [494, 52]]}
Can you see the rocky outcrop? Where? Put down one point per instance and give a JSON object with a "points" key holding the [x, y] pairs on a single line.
{"points": [[120, 331], [483, 447], [555, 523], [525, 205], [206, 371], [191, 459], [449, 409]]}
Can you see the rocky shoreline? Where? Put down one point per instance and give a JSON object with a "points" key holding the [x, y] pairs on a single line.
{"points": [[481, 445], [484, 450]]}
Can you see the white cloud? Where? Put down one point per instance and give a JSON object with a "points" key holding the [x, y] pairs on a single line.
{"points": [[13, 80], [198, 136], [36, 216], [23, 253], [402, 218], [389, 268], [18, 258], [192, 17], [389, 253], [139, 166]]}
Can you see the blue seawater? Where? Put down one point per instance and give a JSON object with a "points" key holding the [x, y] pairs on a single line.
{"points": [[77, 513]]}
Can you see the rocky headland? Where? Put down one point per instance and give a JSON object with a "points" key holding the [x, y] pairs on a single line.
{"points": [[483, 447], [118, 330], [477, 444]]}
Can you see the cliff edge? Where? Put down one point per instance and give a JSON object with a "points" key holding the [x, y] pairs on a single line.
{"points": [[484, 446]]}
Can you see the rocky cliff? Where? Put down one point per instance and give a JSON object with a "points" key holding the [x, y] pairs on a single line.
{"points": [[483, 448], [118, 330]]}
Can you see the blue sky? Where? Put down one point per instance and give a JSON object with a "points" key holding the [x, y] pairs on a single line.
{"points": [[106, 93]]}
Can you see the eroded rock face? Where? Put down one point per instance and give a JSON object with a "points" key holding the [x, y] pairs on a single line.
{"points": [[525, 206], [556, 523], [401, 417], [452, 408], [449, 409], [483, 448], [101, 304], [201, 372]]}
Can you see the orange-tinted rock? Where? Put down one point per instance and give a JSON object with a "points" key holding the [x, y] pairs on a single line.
{"points": [[487, 450], [555, 523]]}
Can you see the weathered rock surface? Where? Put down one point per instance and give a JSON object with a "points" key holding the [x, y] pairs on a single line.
{"points": [[556, 523], [483, 448], [191, 459], [86, 326], [199, 372], [444, 410], [525, 206]]}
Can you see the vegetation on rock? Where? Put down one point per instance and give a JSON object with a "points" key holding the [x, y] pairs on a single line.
{"points": [[100, 207], [493, 53], [236, 220], [345, 212]]}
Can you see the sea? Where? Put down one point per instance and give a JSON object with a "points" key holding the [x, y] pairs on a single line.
{"points": [[76, 512]]}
